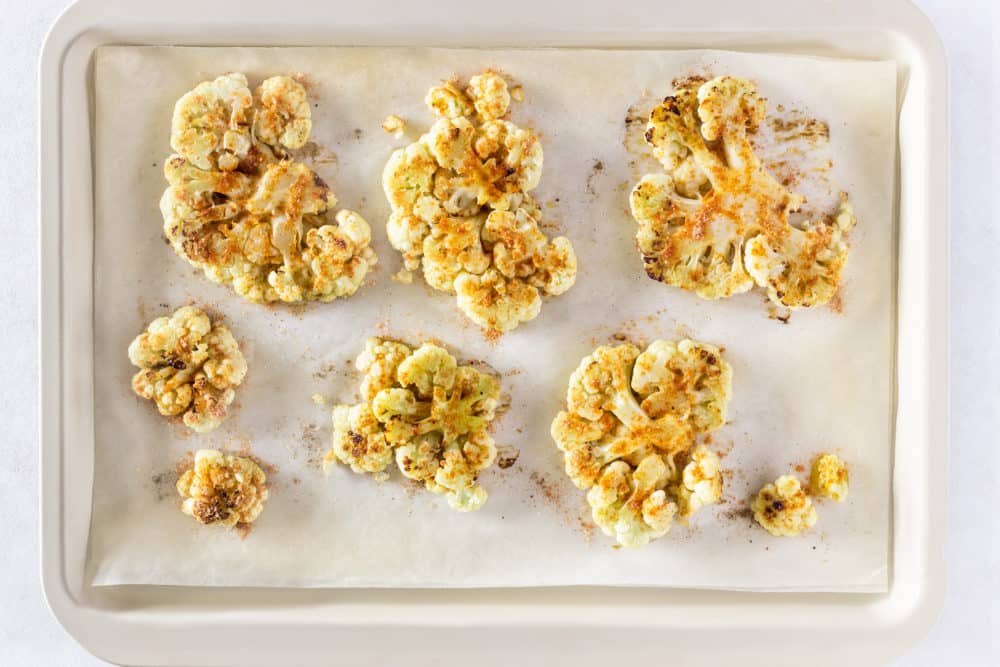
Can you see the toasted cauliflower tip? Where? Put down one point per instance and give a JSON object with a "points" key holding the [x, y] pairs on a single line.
{"points": [[240, 210], [461, 208], [783, 508], [829, 478], [716, 222], [188, 366], [223, 489], [628, 434], [424, 411]]}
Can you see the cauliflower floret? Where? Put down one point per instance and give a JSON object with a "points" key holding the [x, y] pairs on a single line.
{"points": [[379, 362], [829, 478], [425, 411], [188, 365], [358, 440], [283, 114], [461, 209], [488, 92], [783, 508], [628, 432], [716, 222], [689, 380], [223, 489], [700, 482], [497, 303], [627, 503], [211, 123], [252, 220]]}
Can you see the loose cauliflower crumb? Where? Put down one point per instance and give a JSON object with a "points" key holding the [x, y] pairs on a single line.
{"points": [[188, 365], [461, 208], [223, 489], [242, 211], [394, 125], [628, 434], [783, 508], [829, 478], [716, 222], [425, 412]]}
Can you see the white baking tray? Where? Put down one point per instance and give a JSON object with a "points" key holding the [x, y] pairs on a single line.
{"points": [[147, 625]]}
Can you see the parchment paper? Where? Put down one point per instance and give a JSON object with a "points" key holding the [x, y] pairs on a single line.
{"points": [[821, 382]]}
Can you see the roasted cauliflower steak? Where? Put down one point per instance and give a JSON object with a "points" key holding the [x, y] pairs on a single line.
{"points": [[425, 411], [461, 208], [243, 211], [628, 435], [715, 222]]}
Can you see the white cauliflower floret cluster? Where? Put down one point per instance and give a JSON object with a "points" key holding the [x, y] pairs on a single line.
{"points": [[242, 211], [188, 365], [628, 434], [426, 412], [783, 508], [223, 489], [716, 222], [461, 208], [829, 478]]}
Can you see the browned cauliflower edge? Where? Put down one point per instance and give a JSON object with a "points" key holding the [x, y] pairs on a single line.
{"points": [[241, 210], [223, 489], [425, 411], [461, 208], [715, 222], [189, 366], [628, 435]]}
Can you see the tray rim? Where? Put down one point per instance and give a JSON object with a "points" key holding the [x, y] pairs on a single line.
{"points": [[120, 626]]}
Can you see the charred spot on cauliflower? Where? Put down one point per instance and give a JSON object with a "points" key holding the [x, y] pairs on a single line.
{"points": [[223, 489], [628, 434], [715, 222], [189, 366], [783, 508], [424, 411], [242, 211], [461, 208], [829, 478]]}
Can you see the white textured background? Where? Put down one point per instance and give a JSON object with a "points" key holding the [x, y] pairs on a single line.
{"points": [[30, 636]]}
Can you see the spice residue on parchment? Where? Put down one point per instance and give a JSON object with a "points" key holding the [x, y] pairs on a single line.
{"points": [[550, 493], [315, 154]]}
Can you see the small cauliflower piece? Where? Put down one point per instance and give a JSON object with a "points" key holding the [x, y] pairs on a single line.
{"points": [[394, 125], [188, 365], [241, 211], [628, 434], [715, 222], [223, 489], [461, 208], [829, 478], [783, 508], [426, 412]]}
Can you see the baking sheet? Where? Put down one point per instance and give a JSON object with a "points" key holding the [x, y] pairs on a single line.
{"points": [[821, 382]]}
